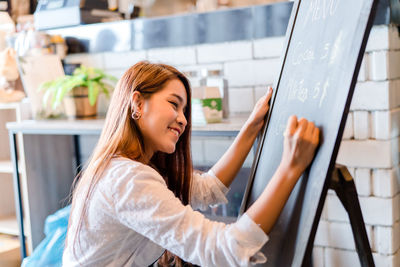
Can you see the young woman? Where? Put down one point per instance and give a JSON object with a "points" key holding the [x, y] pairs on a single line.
{"points": [[135, 199]]}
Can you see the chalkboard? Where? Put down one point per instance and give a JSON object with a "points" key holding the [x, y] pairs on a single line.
{"points": [[325, 43]]}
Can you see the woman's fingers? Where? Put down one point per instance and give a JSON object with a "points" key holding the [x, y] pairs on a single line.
{"points": [[264, 101], [308, 134], [301, 140], [291, 126], [301, 128], [315, 136], [269, 94]]}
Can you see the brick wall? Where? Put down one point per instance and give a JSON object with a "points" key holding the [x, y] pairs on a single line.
{"points": [[370, 146]]}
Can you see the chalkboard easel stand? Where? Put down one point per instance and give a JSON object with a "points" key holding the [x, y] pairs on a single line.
{"points": [[343, 184]]}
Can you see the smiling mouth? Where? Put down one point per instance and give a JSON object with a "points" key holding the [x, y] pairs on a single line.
{"points": [[175, 131]]}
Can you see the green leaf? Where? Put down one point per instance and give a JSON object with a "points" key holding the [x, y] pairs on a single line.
{"points": [[46, 97], [94, 90], [59, 92], [105, 90]]}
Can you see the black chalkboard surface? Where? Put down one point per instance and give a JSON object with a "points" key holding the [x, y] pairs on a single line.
{"points": [[325, 43]]}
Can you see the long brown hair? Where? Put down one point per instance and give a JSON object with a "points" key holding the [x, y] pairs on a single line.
{"points": [[121, 136]]}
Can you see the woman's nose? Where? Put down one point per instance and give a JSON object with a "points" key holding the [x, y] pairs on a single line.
{"points": [[182, 119]]}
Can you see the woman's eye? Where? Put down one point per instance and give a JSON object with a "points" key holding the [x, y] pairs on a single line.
{"points": [[174, 104]]}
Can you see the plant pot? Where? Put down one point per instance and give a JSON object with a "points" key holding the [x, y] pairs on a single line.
{"points": [[77, 105]]}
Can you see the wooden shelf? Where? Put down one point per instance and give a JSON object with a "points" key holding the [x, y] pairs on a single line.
{"points": [[12, 105], [9, 251], [9, 225], [6, 166]]}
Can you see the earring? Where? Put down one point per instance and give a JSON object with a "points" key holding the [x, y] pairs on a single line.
{"points": [[136, 115]]}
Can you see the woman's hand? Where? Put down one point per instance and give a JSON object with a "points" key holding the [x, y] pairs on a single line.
{"points": [[257, 116], [301, 140]]}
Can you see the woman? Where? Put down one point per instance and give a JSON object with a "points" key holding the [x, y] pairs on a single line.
{"points": [[132, 202]]}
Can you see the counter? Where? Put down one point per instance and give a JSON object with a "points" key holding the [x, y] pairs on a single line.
{"points": [[93, 127]]}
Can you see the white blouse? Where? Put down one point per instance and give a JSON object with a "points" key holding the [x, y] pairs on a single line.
{"points": [[133, 217]]}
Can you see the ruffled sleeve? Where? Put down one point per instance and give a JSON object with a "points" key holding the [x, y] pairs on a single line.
{"points": [[207, 190]]}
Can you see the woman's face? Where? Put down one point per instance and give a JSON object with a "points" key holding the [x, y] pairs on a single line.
{"points": [[163, 120]]}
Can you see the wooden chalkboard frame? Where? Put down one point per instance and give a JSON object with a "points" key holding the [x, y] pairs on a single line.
{"points": [[299, 256]]}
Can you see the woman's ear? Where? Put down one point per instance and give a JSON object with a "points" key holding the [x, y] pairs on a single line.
{"points": [[137, 101]]}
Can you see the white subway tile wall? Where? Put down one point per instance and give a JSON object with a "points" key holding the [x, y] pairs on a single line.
{"points": [[214, 148], [361, 125], [241, 99], [224, 52], [349, 129], [378, 69], [173, 56], [199, 67], [386, 123], [363, 73], [378, 39], [394, 40], [370, 146], [385, 182], [337, 235], [269, 47], [343, 258], [335, 211], [116, 72], [318, 256], [394, 65], [198, 151], [362, 179], [366, 153], [89, 60], [384, 260], [386, 241], [252, 72], [372, 95], [379, 211], [123, 60]]}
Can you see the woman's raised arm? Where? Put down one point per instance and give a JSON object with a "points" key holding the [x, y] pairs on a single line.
{"points": [[230, 163]]}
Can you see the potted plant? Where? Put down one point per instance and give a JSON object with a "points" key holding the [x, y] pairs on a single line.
{"points": [[79, 91]]}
